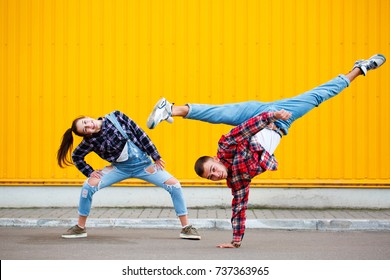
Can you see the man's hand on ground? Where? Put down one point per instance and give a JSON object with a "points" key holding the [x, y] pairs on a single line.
{"points": [[229, 245]]}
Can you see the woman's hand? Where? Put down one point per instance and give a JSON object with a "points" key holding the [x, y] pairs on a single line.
{"points": [[96, 174], [160, 164]]}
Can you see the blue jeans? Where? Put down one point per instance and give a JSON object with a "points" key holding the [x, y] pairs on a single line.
{"points": [[237, 113], [134, 167]]}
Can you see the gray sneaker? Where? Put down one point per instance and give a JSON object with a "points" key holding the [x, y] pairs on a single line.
{"points": [[162, 111], [370, 64], [75, 232], [189, 232]]}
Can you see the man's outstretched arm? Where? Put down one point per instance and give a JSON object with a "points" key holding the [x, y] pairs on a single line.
{"points": [[239, 206]]}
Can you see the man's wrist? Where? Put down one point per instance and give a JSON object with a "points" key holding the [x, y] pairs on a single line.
{"points": [[236, 244]]}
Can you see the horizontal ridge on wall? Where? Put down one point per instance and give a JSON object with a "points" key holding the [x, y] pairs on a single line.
{"points": [[201, 183]]}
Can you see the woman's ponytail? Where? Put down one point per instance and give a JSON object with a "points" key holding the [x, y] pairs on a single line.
{"points": [[64, 152]]}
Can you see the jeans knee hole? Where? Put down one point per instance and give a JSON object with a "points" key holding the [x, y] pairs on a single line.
{"points": [[107, 169], [151, 169], [95, 182]]}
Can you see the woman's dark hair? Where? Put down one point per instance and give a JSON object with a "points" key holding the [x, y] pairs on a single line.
{"points": [[199, 164], [64, 152]]}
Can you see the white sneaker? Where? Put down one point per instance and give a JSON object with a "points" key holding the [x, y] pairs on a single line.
{"points": [[370, 64], [162, 111]]}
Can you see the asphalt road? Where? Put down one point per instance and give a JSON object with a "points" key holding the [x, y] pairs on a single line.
{"points": [[157, 244]]}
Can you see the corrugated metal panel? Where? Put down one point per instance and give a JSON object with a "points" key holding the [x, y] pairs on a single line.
{"points": [[62, 59]]}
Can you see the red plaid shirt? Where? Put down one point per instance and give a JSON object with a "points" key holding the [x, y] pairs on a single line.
{"points": [[244, 160]]}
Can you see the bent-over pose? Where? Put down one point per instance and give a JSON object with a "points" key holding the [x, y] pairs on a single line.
{"points": [[120, 141]]}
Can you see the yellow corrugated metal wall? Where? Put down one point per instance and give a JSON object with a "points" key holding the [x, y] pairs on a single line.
{"points": [[61, 59]]}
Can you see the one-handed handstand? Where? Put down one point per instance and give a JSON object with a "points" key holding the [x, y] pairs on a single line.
{"points": [[247, 150]]}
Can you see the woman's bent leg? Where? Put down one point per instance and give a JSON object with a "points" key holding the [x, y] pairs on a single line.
{"points": [[165, 180], [111, 175]]}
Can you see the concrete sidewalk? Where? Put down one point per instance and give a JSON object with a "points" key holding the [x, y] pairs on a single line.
{"points": [[209, 218]]}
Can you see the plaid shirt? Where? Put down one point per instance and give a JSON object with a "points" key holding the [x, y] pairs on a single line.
{"points": [[108, 143], [244, 159]]}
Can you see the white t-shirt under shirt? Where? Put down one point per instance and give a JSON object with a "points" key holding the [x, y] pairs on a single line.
{"points": [[268, 138]]}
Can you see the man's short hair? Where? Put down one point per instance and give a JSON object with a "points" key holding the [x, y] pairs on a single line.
{"points": [[199, 164]]}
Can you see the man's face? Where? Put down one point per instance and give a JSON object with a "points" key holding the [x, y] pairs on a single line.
{"points": [[214, 170]]}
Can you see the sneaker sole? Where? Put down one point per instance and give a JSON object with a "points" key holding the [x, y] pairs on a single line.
{"points": [[150, 123], [74, 236], [192, 237]]}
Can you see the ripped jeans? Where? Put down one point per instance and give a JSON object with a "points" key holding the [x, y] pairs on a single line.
{"points": [[134, 167]]}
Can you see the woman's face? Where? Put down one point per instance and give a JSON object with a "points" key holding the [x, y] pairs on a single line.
{"points": [[88, 126]]}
